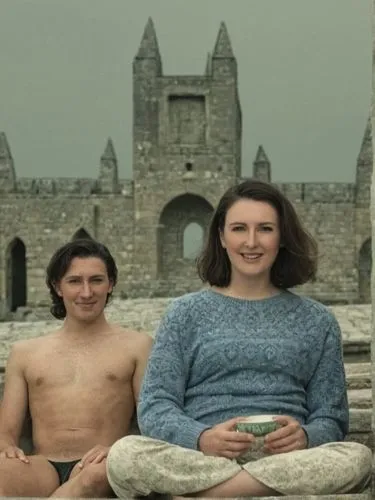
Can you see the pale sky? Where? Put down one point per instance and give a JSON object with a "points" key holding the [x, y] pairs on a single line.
{"points": [[304, 78]]}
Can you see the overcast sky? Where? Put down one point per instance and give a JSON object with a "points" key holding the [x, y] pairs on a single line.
{"points": [[304, 78]]}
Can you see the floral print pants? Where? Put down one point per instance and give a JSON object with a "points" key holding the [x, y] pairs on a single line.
{"points": [[138, 466]]}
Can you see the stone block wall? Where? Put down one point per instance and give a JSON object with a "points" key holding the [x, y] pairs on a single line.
{"points": [[45, 223]]}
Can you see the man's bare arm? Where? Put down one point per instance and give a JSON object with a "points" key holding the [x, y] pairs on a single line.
{"points": [[15, 399], [143, 346]]}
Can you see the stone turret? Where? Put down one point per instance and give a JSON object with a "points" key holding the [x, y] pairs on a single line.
{"points": [[147, 68], [7, 172], [108, 173], [262, 166]]}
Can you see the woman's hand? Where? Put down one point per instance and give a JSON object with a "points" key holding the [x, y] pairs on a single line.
{"points": [[289, 437], [223, 440]]}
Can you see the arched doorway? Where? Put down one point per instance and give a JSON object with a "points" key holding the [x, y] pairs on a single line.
{"points": [[364, 272], [183, 217], [81, 234], [16, 282]]}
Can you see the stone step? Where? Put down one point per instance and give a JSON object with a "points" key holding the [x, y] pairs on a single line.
{"points": [[360, 420], [350, 496], [360, 398], [358, 375]]}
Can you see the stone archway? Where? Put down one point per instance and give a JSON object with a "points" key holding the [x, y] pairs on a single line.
{"points": [[16, 280], [178, 216], [81, 234], [364, 272]]}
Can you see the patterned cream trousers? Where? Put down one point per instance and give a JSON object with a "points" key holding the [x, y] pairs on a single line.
{"points": [[137, 466]]}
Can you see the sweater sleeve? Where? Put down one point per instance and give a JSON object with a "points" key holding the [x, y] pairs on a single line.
{"points": [[327, 400], [161, 403]]}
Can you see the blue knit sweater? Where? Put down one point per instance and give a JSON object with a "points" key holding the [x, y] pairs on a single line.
{"points": [[217, 357]]}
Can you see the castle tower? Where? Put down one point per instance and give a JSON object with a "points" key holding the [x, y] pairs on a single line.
{"points": [[108, 173], [7, 172], [364, 169], [262, 166], [187, 144]]}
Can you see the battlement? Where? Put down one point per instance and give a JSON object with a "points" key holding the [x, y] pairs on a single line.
{"points": [[52, 186], [319, 192], [310, 192], [45, 186]]}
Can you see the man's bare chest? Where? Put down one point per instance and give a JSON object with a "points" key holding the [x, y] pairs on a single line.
{"points": [[57, 368]]}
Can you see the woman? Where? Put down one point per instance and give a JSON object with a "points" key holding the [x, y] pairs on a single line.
{"points": [[245, 346]]}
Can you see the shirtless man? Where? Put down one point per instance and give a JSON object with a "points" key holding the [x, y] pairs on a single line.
{"points": [[79, 383]]}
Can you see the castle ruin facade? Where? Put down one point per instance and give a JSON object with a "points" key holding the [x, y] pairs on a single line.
{"points": [[186, 152]]}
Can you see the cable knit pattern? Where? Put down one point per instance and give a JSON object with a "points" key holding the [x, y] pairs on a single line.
{"points": [[217, 357]]}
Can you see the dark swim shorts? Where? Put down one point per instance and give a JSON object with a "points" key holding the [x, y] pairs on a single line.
{"points": [[63, 469]]}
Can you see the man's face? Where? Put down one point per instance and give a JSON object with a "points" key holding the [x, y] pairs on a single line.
{"points": [[84, 288]]}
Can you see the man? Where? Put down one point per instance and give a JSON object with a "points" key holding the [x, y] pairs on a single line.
{"points": [[79, 383]]}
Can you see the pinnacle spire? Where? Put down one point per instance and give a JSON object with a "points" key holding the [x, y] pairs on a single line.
{"points": [[262, 166], [109, 152], [223, 47], [261, 156], [149, 48], [4, 147], [365, 153]]}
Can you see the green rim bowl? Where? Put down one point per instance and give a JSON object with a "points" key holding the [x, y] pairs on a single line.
{"points": [[258, 425]]}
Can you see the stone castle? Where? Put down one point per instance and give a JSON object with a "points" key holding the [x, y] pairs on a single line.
{"points": [[186, 153]]}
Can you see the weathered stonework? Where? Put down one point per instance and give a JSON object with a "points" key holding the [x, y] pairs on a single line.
{"points": [[186, 153]]}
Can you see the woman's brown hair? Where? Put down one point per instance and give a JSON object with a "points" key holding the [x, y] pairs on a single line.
{"points": [[296, 262]]}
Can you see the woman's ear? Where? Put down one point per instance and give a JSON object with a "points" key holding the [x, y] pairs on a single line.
{"points": [[222, 241], [57, 288]]}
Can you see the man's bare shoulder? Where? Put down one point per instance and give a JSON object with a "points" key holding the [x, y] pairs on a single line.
{"points": [[137, 342], [23, 347], [26, 344]]}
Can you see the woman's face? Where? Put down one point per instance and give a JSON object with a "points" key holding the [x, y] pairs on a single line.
{"points": [[251, 237]]}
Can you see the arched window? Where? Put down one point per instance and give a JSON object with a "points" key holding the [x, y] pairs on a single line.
{"points": [[364, 272], [192, 240], [16, 286]]}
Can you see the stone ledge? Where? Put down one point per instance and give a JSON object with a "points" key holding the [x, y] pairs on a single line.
{"points": [[349, 496]]}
